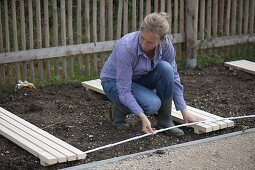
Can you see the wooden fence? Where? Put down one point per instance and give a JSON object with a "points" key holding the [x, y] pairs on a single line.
{"points": [[42, 40]]}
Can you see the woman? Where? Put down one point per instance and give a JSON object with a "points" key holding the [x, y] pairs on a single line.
{"points": [[141, 62]]}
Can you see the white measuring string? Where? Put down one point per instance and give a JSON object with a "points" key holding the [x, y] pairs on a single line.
{"points": [[165, 129]]}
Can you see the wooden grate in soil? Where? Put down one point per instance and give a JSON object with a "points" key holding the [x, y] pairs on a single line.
{"points": [[244, 65], [48, 148], [95, 85]]}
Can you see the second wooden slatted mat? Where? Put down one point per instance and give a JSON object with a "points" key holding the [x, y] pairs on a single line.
{"points": [[95, 85], [244, 65]]}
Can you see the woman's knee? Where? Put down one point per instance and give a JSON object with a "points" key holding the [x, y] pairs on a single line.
{"points": [[165, 68], [152, 107]]}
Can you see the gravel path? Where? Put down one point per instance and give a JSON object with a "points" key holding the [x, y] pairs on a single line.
{"points": [[233, 152]]}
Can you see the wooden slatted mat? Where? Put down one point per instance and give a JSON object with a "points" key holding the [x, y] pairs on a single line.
{"points": [[244, 65], [95, 85], [49, 149]]}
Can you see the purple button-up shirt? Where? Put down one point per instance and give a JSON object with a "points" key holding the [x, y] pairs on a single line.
{"points": [[127, 62]]}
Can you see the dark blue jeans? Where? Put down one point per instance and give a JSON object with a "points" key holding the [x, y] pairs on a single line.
{"points": [[161, 79]]}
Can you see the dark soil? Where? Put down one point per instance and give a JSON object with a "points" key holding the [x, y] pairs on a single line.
{"points": [[81, 118]]}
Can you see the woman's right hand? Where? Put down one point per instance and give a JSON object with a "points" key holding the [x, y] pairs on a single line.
{"points": [[146, 124]]}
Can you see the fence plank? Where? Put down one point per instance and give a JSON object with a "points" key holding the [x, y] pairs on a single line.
{"points": [[125, 17], [209, 18], [119, 19], [191, 32], [246, 16], [63, 36], [181, 22], [39, 37], [233, 17], [227, 20], [23, 38], [1, 31], [95, 66], [70, 35], [148, 7], [79, 35], [87, 37], [2, 73], [155, 5], [47, 35], [15, 38], [202, 20], [221, 17], [141, 12], [227, 41], [110, 19], [251, 16], [102, 28], [60, 51], [215, 18], [134, 17], [169, 11], [240, 17], [175, 16], [162, 6], [31, 38], [7, 31]]}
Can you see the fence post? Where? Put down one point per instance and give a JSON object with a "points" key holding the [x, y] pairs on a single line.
{"points": [[191, 33]]}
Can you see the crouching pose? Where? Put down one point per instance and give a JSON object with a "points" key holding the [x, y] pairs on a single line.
{"points": [[140, 63]]}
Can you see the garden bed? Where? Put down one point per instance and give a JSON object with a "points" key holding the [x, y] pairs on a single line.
{"points": [[81, 118]]}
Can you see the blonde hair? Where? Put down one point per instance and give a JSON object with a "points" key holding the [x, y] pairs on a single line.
{"points": [[156, 23]]}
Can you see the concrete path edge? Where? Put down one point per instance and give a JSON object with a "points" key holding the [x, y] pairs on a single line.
{"points": [[115, 159]]}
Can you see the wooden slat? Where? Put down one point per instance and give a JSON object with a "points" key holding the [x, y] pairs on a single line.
{"points": [[229, 123], [233, 17], [205, 128], [244, 65], [216, 123], [27, 145], [66, 153], [93, 85], [79, 153], [60, 157]]}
